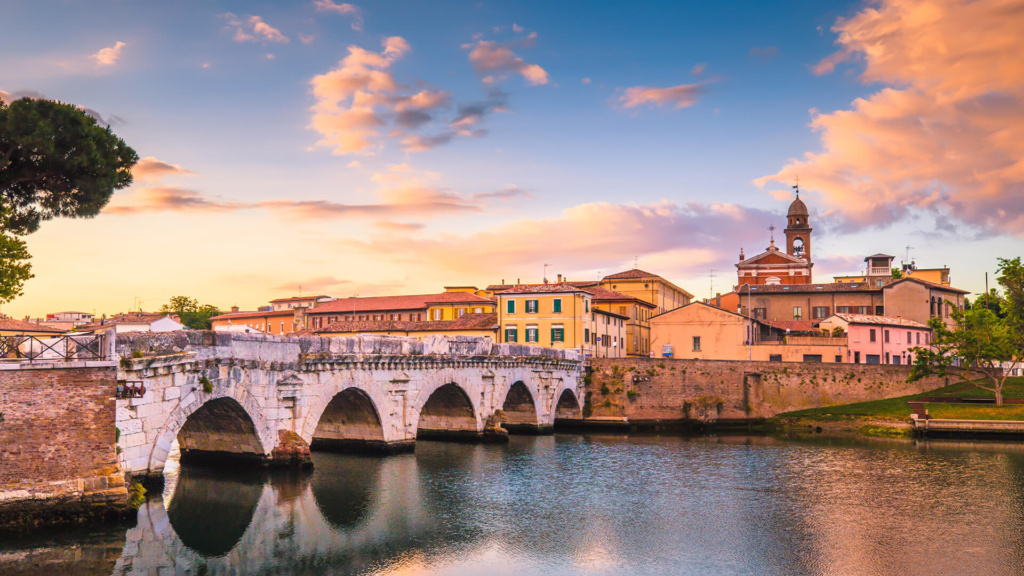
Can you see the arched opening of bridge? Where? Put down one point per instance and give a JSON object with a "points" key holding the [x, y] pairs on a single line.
{"points": [[220, 432], [520, 411], [448, 414], [350, 423], [567, 411]]}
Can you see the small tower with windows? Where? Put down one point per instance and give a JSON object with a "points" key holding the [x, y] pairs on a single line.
{"points": [[798, 229]]}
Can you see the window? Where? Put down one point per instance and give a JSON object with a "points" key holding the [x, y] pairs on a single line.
{"points": [[908, 336], [775, 357], [856, 357], [531, 306], [798, 313], [872, 359], [887, 358], [895, 359], [879, 310], [918, 338], [819, 312], [622, 310], [863, 309], [557, 333], [760, 313], [842, 309], [872, 337], [812, 357], [880, 283], [696, 343], [511, 334], [886, 336], [586, 306], [511, 307], [839, 358], [556, 305], [462, 311], [282, 326], [586, 335], [478, 310], [531, 334]]}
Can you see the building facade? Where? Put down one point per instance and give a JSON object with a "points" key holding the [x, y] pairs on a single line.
{"points": [[552, 315], [445, 306], [879, 339], [773, 266]]}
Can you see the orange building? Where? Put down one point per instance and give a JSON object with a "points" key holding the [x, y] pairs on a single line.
{"points": [[411, 308], [267, 321]]}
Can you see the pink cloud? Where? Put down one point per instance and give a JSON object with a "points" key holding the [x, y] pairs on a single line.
{"points": [[945, 137], [676, 97], [343, 9], [252, 29], [109, 56], [149, 169], [490, 57]]}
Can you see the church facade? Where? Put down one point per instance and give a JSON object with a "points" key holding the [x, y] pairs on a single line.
{"points": [[777, 267]]}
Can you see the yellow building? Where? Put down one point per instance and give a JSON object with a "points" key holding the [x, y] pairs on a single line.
{"points": [[445, 306], [479, 325], [551, 315], [637, 312], [704, 332], [648, 287]]}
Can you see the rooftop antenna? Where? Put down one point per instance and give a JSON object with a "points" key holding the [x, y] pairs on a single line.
{"points": [[771, 230], [711, 276], [797, 187], [546, 273], [300, 290], [636, 262]]}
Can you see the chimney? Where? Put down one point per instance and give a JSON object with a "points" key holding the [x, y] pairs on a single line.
{"points": [[518, 282], [559, 278], [234, 308]]}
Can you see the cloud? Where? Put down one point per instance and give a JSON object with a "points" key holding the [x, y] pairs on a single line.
{"points": [[306, 38], [149, 169], [585, 81], [676, 97], [355, 164], [765, 53], [944, 136], [517, 28], [252, 29], [507, 193], [625, 230], [698, 68], [343, 9], [168, 199], [399, 226], [494, 60], [109, 56]]}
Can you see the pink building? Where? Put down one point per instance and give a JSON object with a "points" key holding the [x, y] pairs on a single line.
{"points": [[879, 339]]}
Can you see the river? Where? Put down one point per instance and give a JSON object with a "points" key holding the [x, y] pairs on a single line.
{"points": [[578, 505]]}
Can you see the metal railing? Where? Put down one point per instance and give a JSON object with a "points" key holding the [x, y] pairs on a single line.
{"points": [[130, 389], [56, 348]]}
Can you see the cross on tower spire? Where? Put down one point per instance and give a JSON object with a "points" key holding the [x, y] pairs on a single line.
{"points": [[797, 187]]}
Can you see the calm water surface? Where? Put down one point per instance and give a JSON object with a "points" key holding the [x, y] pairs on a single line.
{"points": [[568, 505]]}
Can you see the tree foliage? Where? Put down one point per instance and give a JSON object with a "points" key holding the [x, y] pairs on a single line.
{"points": [[55, 161], [192, 314]]}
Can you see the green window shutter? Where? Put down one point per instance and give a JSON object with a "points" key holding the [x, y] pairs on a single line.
{"points": [[553, 339], [515, 335], [586, 335], [511, 307], [558, 305]]}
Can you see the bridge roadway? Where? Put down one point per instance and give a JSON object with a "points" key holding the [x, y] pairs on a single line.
{"points": [[260, 398]]}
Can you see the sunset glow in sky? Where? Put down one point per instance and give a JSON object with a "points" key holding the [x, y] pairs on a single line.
{"points": [[397, 147]]}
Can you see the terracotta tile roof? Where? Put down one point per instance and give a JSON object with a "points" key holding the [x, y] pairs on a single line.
{"points": [[931, 285], [388, 303], [605, 295], [607, 313], [628, 274], [803, 288], [545, 289], [297, 298], [466, 322], [238, 315], [9, 325], [880, 320], [127, 318], [793, 325]]}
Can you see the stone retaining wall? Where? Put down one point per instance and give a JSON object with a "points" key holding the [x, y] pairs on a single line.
{"points": [[649, 389]]}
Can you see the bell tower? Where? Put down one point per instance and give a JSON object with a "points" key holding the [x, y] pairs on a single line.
{"points": [[798, 229]]}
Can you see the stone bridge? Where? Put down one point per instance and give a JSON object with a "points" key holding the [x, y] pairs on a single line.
{"points": [[261, 398]]}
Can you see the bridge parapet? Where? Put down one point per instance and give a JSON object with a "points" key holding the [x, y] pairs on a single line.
{"points": [[239, 394]]}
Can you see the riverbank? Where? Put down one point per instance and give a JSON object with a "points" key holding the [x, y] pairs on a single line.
{"points": [[891, 417]]}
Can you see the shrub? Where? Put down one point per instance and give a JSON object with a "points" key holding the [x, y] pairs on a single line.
{"points": [[136, 495], [608, 403], [137, 354], [632, 394], [605, 390], [206, 384]]}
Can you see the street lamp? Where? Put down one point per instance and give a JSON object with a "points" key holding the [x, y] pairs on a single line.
{"points": [[750, 325]]}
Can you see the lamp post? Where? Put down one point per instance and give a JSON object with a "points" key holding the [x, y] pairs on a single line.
{"points": [[750, 325]]}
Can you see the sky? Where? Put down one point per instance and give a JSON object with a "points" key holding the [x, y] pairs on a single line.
{"points": [[358, 149]]}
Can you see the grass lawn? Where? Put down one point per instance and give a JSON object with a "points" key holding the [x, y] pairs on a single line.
{"points": [[898, 409]]}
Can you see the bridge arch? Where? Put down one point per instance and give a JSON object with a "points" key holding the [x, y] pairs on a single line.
{"points": [[227, 422], [568, 408], [520, 408], [446, 411], [351, 393], [349, 422]]}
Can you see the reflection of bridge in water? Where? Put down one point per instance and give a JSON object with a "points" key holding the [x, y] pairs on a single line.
{"points": [[249, 397], [352, 514]]}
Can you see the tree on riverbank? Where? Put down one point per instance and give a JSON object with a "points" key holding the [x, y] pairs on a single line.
{"points": [[55, 161], [981, 342], [190, 312]]}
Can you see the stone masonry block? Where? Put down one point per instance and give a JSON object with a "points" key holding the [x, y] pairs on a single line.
{"points": [[172, 393], [147, 398], [130, 426]]}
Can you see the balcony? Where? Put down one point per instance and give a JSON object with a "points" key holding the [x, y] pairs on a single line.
{"points": [[876, 271]]}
